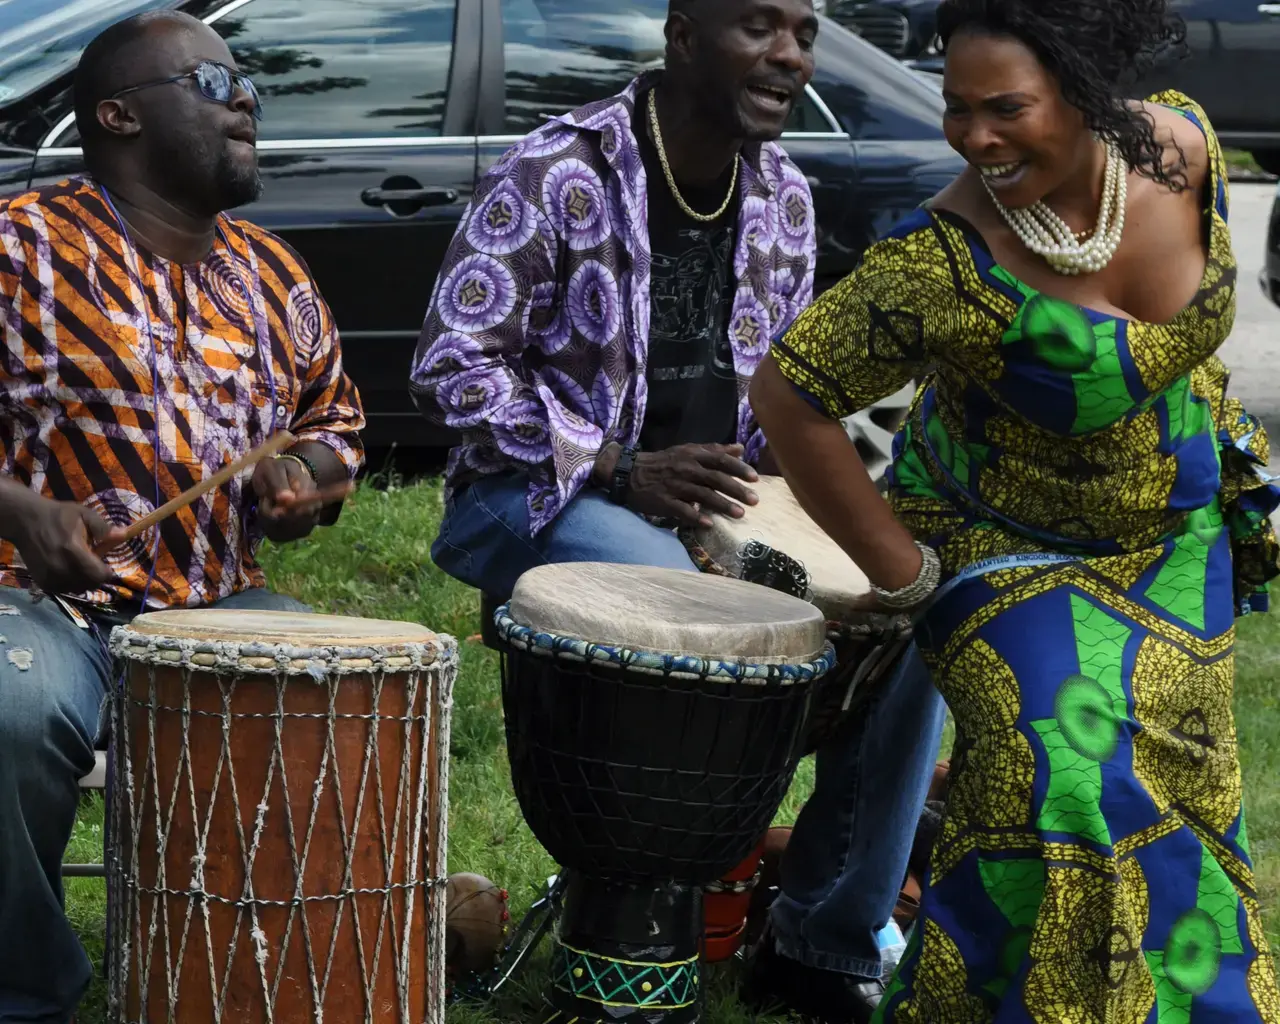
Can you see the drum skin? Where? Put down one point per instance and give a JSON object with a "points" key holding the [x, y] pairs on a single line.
{"points": [[476, 929], [278, 819], [836, 584]]}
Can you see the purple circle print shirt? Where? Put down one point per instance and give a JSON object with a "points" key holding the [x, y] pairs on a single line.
{"points": [[535, 344]]}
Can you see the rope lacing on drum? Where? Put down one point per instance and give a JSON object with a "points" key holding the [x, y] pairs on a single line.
{"points": [[309, 667], [671, 666]]}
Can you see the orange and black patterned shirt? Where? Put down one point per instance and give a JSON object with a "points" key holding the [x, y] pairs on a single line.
{"points": [[80, 419]]}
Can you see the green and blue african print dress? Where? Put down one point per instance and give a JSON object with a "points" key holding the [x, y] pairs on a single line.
{"points": [[1101, 511]]}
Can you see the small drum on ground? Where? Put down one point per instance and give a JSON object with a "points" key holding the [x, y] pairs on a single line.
{"points": [[776, 544], [654, 721], [725, 906], [277, 829]]}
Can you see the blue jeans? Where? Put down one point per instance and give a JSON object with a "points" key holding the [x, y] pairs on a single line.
{"points": [[485, 540], [54, 678], [847, 857]]}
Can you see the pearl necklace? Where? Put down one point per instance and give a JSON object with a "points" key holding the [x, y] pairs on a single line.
{"points": [[686, 209], [1048, 235]]}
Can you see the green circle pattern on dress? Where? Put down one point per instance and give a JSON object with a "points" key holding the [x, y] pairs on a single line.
{"points": [[940, 442], [1193, 953], [1059, 333], [1087, 718]]}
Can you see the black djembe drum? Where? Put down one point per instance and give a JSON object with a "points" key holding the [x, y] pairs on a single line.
{"points": [[654, 721]]}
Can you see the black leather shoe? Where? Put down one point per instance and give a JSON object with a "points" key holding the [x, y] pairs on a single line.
{"points": [[775, 982]]}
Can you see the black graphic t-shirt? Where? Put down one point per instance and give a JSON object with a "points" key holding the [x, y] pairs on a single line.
{"points": [[693, 392]]}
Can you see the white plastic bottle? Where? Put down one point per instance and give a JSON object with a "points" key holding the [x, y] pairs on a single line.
{"points": [[892, 945]]}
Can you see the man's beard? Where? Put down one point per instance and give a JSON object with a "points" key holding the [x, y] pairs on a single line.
{"points": [[208, 181], [721, 105], [236, 184]]}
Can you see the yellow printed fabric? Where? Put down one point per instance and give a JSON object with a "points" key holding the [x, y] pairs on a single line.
{"points": [[1102, 516]]}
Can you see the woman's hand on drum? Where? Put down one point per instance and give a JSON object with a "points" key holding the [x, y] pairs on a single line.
{"points": [[690, 480]]}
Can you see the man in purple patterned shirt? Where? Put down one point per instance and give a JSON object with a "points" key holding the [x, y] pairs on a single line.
{"points": [[593, 331], [613, 286]]}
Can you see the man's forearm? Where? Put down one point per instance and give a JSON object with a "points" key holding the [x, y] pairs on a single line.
{"points": [[606, 460], [828, 479], [329, 469]]}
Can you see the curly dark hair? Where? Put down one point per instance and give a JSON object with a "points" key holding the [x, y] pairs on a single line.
{"points": [[1096, 49]]}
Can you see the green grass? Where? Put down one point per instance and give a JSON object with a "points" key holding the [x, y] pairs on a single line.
{"points": [[376, 562], [1239, 160]]}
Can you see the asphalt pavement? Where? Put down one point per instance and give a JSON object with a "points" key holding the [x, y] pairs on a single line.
{"points": [[1253, 351]]}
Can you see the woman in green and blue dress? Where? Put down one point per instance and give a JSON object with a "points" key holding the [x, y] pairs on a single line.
{"points": [[1094, 507]]}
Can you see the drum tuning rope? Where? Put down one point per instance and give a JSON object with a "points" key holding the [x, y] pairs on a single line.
{"points": [[393, 814]]}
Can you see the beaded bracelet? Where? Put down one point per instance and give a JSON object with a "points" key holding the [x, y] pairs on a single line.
{"points": [[305, 463], [918, 591]]}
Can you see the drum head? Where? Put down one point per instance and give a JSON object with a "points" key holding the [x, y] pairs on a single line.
{"points": [[293, 629], [835, 581], [667, 611]]}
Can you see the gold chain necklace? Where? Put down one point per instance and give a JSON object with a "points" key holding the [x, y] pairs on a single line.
{"points": [[704, 218]]}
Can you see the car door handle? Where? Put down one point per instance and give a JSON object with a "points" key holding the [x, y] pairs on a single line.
{"points": [[409, 196], [1269, 10]]}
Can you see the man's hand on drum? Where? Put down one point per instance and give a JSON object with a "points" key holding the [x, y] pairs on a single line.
{"points": [[57, 540], [687, 482], [290, 505]]}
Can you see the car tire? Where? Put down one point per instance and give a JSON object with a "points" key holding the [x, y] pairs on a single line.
{"points": [[1268, 160], [872, 430]]}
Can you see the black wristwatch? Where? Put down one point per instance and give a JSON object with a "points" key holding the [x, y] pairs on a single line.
{"points": [[620, 484]]}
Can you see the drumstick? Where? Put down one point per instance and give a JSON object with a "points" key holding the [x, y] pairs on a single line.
{"points": [[268, 448]]}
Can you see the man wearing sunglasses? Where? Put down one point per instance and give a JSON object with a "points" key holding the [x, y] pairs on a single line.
{"points": [[148, 341]]}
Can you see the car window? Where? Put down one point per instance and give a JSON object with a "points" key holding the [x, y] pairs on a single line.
{"points": [[342, 69], [872, 95], [807, 118], [345, 68], [41, 40], [561, 54], [40, 45]]}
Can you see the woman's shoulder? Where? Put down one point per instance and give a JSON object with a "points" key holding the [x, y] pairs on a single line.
{"points": [[1172, 104], [1184, 129], [910, 268], [911, 244]]}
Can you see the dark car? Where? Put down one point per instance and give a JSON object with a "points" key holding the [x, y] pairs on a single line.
{"points": [[906, 29], [380, 114], [1231, 71], [1271, 265]]}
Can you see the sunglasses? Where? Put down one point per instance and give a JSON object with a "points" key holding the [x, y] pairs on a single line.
{"points": [[217, 83]]}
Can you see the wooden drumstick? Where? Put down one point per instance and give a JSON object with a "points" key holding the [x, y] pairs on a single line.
{"points": [[273, 445]]}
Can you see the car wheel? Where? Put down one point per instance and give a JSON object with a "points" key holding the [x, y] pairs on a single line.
{"points": [[1268, 160], [872, 429]]}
